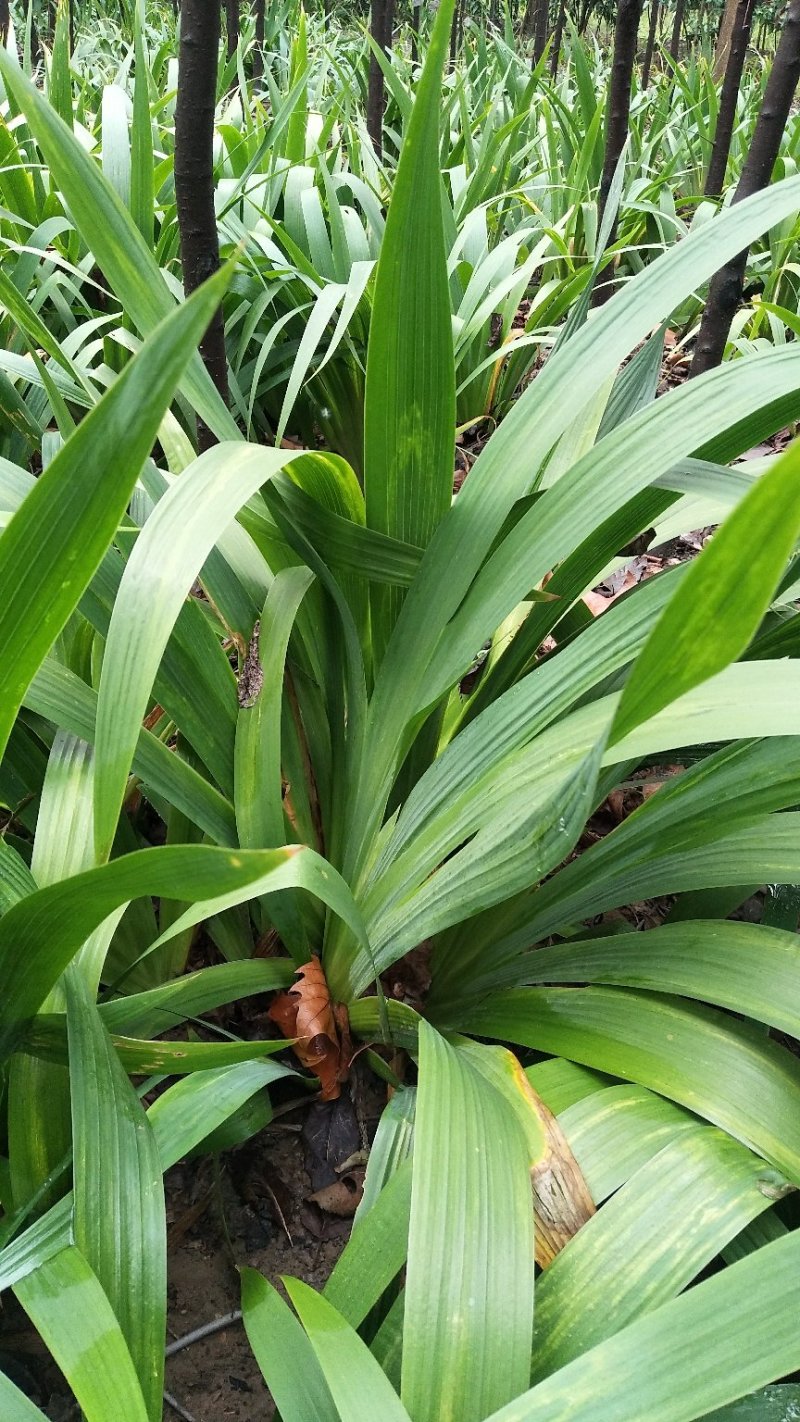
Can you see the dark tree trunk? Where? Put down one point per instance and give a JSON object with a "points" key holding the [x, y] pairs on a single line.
{"points": [[651, 42], [454, 36], [737, 50], [231, 26], [5, 21], [71, 26], [725, 291], [617, 114], [258, 48], [414, 32], [725, 31], [381, 31], [558, 36], [541, 22], [675, 42], [194, 173]]}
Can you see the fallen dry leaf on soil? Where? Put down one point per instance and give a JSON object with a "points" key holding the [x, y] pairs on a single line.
{"points": [[320, 1027], [343, 1197], [597, 603]]}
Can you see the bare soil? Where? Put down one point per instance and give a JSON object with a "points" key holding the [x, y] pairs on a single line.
{"points": [[218, 1379]]}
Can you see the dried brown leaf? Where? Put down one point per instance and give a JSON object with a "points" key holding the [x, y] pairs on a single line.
{"points": [[343, 1197], [319, 1026]]}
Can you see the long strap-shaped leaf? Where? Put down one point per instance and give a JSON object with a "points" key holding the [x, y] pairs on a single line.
{"points": [[146, 1014], [674, 841], [284, 1353], [469, 1282], [71, 1312], [15, 1406], [723, 1339], [46, 1038], [181, 1118], [746, 967], [358, 1385], [721, 602], [702, 1058], [409, 412], [375, 1252], [61, 696], [75, 507], [258, 790], [38, 1113], [616, 1130], [119, 1196]]}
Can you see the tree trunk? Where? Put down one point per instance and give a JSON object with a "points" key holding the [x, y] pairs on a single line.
{"points": [[194, 173], [231, 26], [540, 30], [415, 9], [725, 291], [5, 22], [381, 31], [619, 103], [651, 42], [675, 42], [558, 36], [534, 26], [727, 25], [737, 50], [258, 47]]}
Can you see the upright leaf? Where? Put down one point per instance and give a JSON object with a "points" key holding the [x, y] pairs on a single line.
{"points": [[410, 393], [358, 1385], [284, 1353], [119, 1197], [469, 1281]]}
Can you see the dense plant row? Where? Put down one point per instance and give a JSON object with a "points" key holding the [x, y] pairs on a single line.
{"points": [[290, 688]]}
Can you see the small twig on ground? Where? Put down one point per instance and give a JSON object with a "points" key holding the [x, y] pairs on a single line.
{"points": [[279, 1212], [176, 1407], [204, 1331]]}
